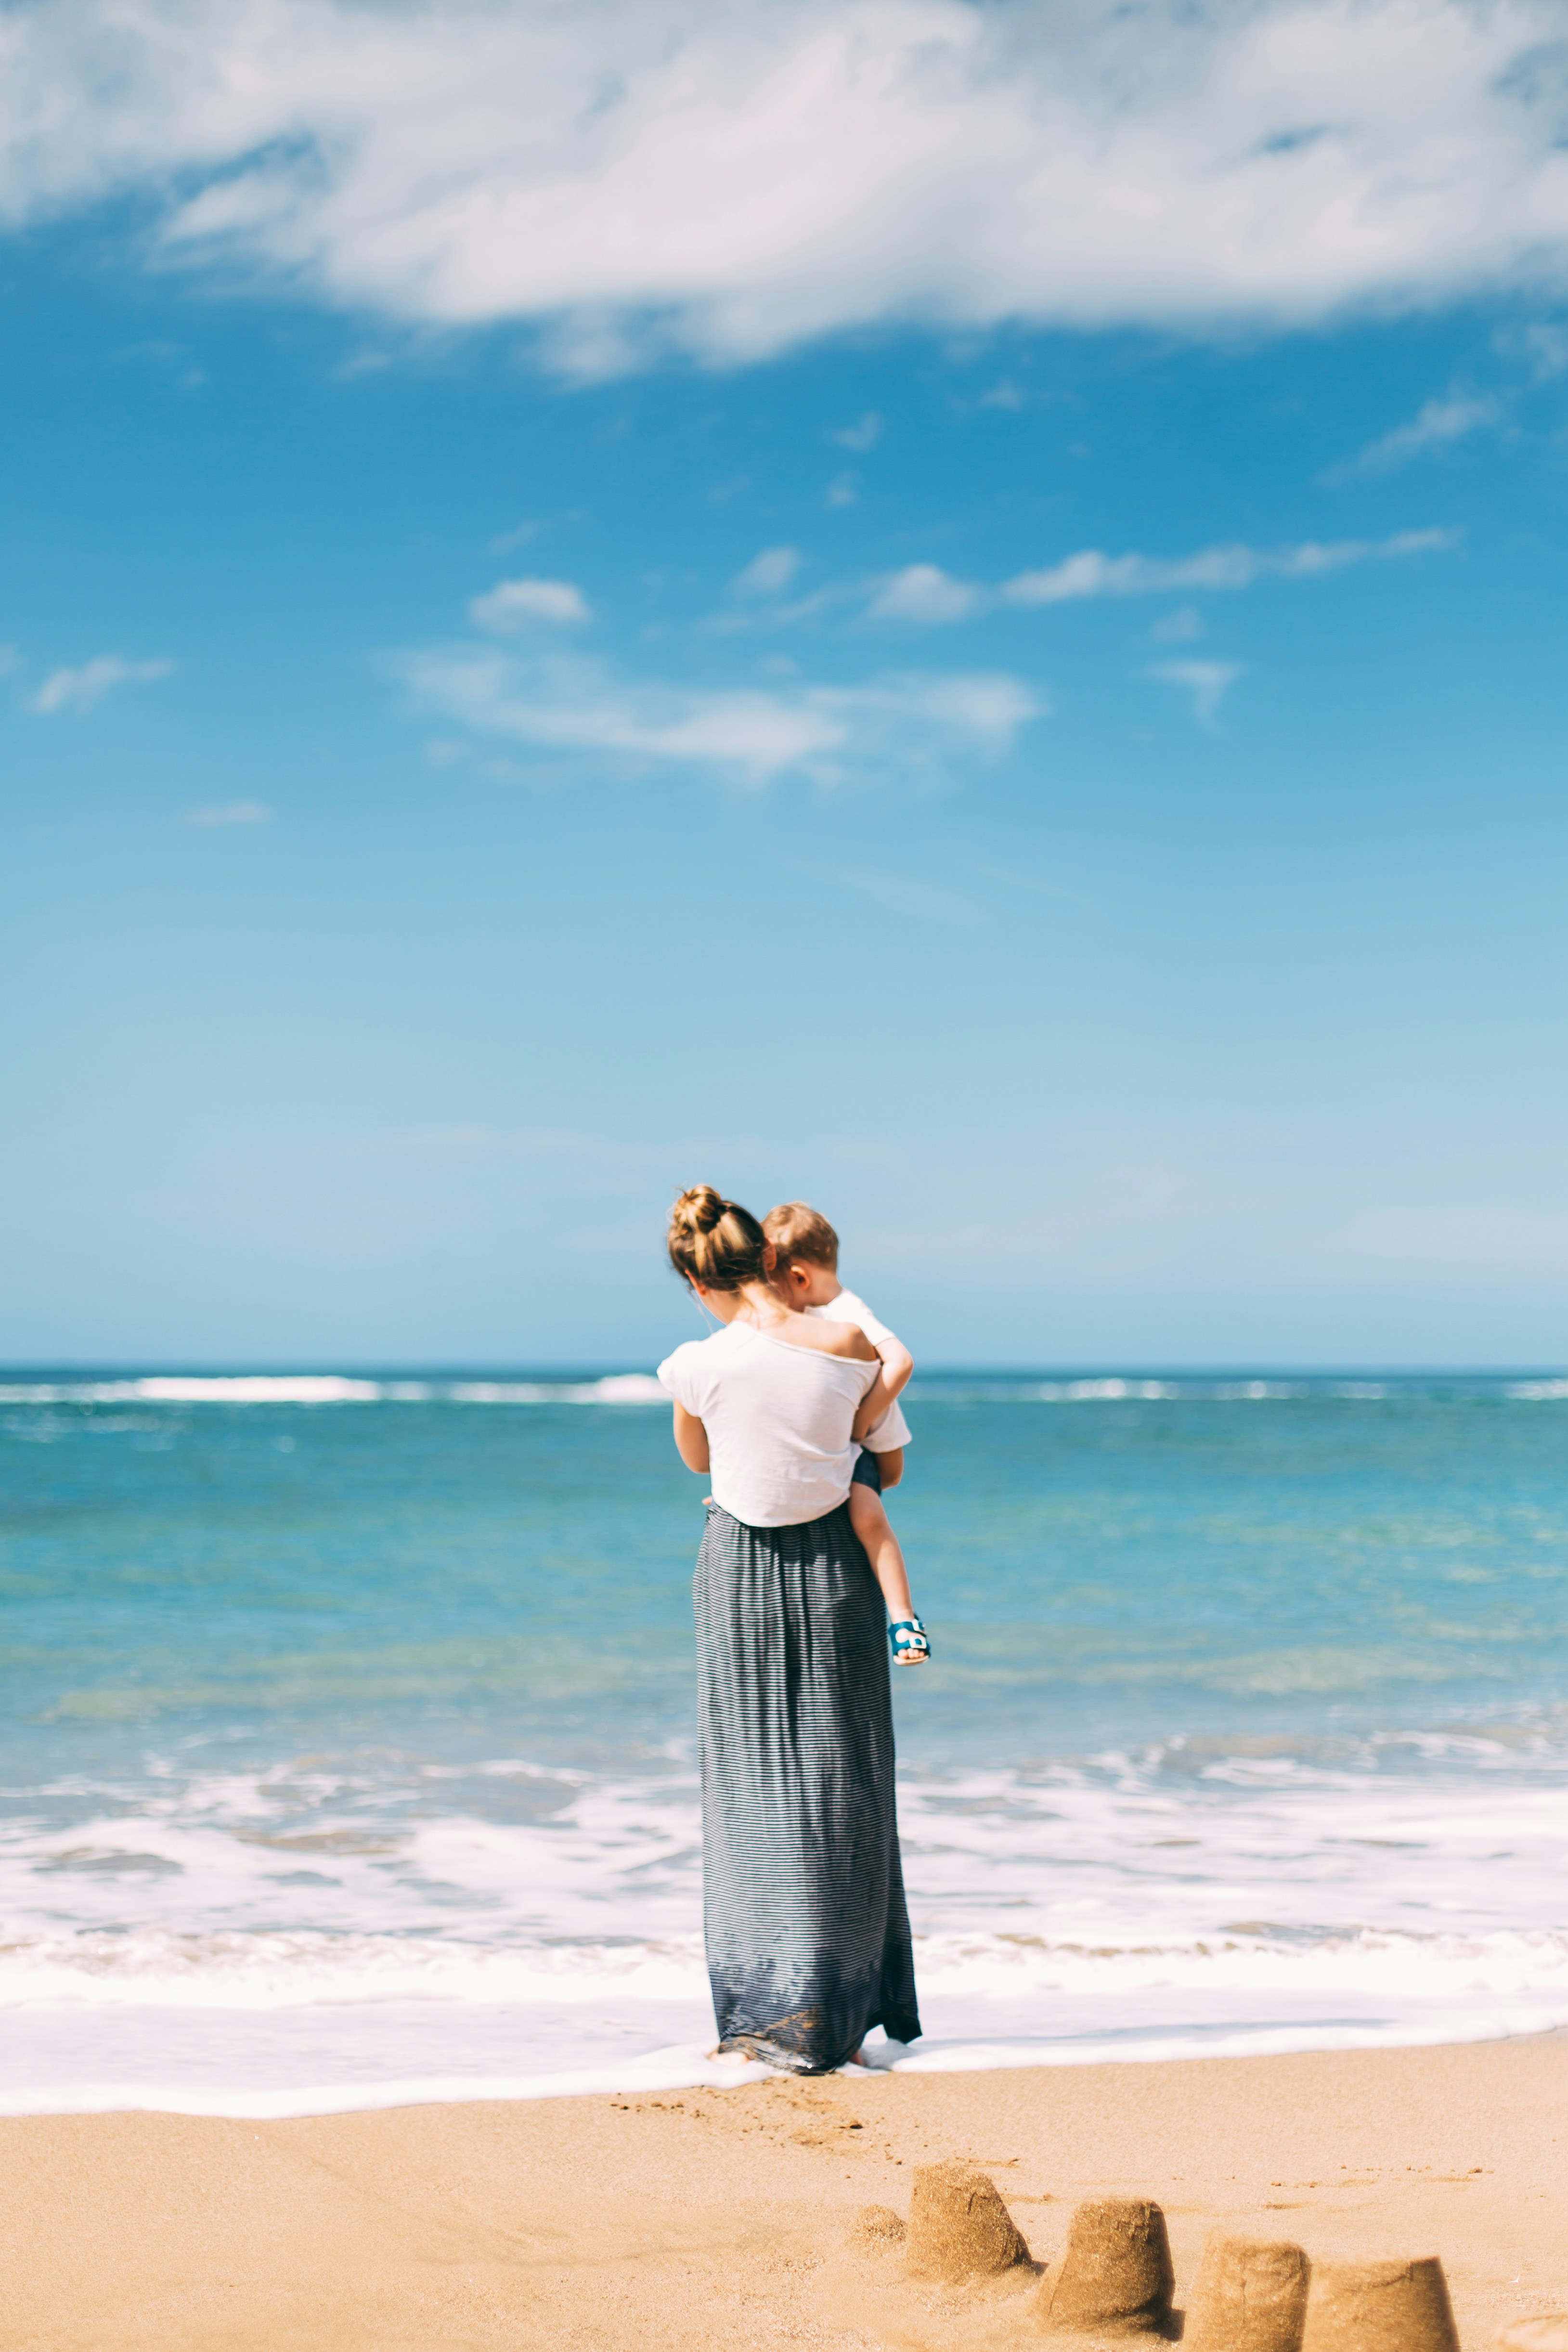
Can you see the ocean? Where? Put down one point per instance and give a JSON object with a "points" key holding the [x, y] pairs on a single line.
{"points": [[346, 1744]]}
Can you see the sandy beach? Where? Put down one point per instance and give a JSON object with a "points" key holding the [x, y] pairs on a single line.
{"points": [[690, 2219]]}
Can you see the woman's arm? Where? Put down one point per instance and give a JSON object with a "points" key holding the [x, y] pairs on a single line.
{"points": [[691, 1440]]}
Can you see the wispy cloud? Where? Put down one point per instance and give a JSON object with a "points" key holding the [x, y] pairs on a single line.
{"points": [[357, 363], [1178, 628], [864, 435], [83, 688], [1206, 683], [514, 605], [924, 595], [924, 901], [845, 491], [580, 707], [923, 592], [1091, 573], [735, 181], [1436, 425], [1546, 348], [768, 574], [231, 813], [901, 720]]}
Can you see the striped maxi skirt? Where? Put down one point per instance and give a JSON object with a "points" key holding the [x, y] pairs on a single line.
{"points": [[808, 1936]]}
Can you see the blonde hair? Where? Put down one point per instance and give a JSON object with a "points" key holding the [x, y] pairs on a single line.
{"points": [[716, 1242], [796, 1230]]}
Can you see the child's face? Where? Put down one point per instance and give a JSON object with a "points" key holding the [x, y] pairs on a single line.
{"points": [[810, 1286]]}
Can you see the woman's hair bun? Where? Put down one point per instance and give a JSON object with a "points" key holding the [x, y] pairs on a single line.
{"points": [[716, 1242], [698, 1210]]}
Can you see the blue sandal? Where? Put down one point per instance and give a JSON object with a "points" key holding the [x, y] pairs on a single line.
{"points": [[910, 1647]]}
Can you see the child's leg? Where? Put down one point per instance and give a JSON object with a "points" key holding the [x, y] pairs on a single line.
{"points": [[870, 1522]]}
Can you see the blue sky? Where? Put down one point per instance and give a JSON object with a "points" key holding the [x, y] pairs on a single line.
{"points": [[1007, 680]]}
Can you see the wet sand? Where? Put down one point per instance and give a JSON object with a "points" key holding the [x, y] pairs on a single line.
{"points": [[681, 2220]]}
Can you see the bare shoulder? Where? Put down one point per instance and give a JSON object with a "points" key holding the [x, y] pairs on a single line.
{"points": [[844, 1339]]}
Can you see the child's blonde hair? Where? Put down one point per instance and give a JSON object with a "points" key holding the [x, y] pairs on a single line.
{"points": [[796, 1230]]}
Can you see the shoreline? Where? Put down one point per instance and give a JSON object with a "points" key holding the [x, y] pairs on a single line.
{"points": [[688, 2067], [685, 2219]]}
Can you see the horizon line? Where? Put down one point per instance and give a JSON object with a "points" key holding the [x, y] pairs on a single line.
{"points": [[599, 1368]]}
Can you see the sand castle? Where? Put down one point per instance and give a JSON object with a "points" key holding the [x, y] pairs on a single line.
{"points": [[1379, 2308], [1114, 2280], [959, 2227], [1251, 2295]]}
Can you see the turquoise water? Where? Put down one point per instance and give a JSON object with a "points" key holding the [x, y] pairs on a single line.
{"points": [[372, 1694]]}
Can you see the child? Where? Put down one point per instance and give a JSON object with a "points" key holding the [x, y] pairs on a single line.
{"points": [[807, 1277]]}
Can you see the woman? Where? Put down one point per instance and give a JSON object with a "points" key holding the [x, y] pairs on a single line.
{"points": [[807, 1936]]}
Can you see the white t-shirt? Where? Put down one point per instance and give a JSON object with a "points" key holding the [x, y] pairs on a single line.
{"points": [[778, 1420], [892, 1430]]}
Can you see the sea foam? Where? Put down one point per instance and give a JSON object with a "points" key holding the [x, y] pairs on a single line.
{"points": [[331, 1387], [641, 1388], [301, 1943]]}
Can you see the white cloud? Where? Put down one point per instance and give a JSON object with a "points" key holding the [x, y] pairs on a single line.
{"points": [[1434, 426], [83, 688], [845, 491], [987, 704], [1546, 348], [357, 364], [1178, 628], [231, 813], [1091, 573], [924, 592], [768, 574], [864, 435], [514, 605], [731, 181], [1206, 682], [583, 708]]}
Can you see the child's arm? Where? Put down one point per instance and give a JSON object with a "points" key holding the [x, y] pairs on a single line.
{"points": [[691, 1440], [871, 1407], [897, 1363]]}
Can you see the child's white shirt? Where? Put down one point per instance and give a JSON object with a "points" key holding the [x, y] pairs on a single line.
{"points": [[892, 1430]]}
